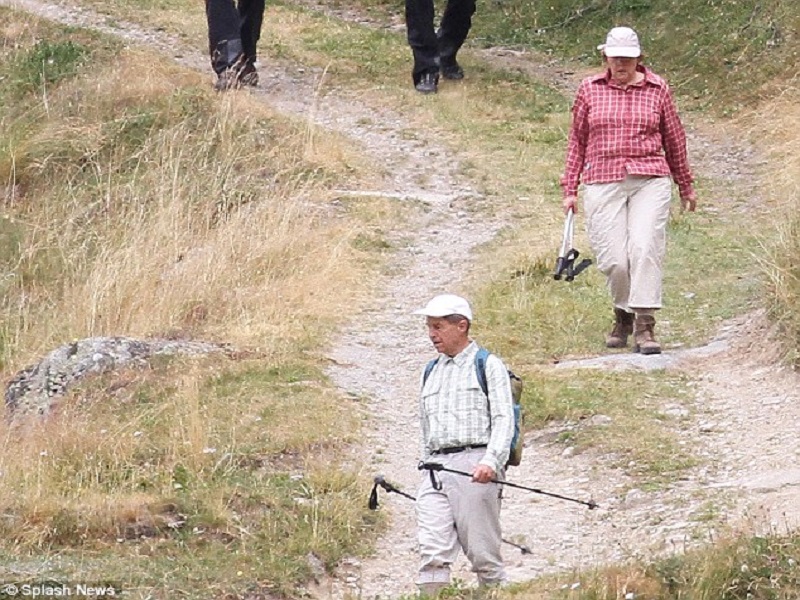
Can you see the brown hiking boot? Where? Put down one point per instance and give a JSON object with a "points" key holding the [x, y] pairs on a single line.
{"points": [[623, 327], [644, 339]]}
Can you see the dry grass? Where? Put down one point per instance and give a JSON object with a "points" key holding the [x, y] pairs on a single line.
{"points": [[775, 124], [138, 202], [203, 224], [143, 454]]}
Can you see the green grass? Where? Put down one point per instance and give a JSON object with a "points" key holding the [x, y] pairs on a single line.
{"points": [[230, 487], [762, 567], [707, 49], [631, 425]]}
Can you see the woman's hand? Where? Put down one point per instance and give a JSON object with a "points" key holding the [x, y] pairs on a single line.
{"points": [[571, 202], [689, 202]]}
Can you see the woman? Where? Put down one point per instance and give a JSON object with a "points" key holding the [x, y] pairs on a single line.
{"points": [[625, 142]]}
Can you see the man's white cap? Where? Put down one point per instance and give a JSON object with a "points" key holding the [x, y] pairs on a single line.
{"points": [[621, 42], [445, 305]]}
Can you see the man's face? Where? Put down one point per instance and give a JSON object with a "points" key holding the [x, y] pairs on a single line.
{"points": [[448, 338]]}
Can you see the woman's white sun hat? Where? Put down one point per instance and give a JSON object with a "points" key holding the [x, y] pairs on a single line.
{"points": [[621, 42]]}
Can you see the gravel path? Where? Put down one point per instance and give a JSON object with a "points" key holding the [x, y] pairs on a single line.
{"points": [[742, 424]]}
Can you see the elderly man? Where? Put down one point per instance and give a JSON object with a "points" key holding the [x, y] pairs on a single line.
{"points": [[466, 430]]}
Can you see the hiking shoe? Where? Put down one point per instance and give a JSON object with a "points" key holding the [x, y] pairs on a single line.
{"points": [[227, 80], [428, 83], [249, 76], [623, 327], [450, 69], [643, 336]]}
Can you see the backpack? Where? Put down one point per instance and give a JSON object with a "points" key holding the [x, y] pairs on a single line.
{"points": [[515, 454]]}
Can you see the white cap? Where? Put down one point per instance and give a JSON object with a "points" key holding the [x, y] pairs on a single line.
{"points": [[621, 42], [445, 305]]}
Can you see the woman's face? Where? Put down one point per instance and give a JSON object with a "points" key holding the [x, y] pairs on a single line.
{"points": [[623, 70]]}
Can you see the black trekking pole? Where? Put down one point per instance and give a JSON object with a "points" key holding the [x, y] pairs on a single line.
{"points": [[565, 264], [438, 467], [380, 481], [373, 505]]}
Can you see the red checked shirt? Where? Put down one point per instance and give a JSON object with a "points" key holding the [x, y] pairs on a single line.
{"points": [[618, 131]]}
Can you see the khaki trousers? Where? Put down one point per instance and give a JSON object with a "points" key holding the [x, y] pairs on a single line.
{"points": [[627, 226], [463, 514]]}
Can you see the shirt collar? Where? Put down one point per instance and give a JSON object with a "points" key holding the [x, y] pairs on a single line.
{"points": [[465, 356], [649, 77]]}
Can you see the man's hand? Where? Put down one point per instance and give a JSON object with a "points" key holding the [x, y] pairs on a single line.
{"points": [[483, 474], [570, 202]]}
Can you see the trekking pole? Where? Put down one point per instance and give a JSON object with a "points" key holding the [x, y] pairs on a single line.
{"points": [[437, 467], [565, 264], [373, 505], [380, 481], [563, 261]]}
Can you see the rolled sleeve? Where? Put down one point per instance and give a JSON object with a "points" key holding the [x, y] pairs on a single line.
{"points": [[674, 139]]}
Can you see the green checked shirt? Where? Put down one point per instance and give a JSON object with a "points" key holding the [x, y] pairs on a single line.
{"points": [[455, 412]]}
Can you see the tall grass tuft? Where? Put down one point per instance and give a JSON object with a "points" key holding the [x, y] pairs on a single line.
{"points": [[782, 187], [150, 209]]}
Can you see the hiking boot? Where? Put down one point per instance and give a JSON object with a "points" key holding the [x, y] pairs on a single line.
{"points": [[227, 80], [623, 327], [428, 83], [450, 69], [643, 337], [248, 76]]}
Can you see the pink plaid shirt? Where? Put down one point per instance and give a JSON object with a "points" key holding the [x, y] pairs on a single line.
{"points": [[618, 131]]}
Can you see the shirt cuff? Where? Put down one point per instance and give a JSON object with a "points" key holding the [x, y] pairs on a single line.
{"points": [[490, 462]]}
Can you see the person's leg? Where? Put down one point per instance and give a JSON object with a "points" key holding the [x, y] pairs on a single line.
{"points": [[224, 37], [648, 216], [476, 509], [422, 38], [606, 207], [456, 23], [251, 13], [436, 534]]}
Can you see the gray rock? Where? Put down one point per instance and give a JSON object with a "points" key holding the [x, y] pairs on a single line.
{"points": [[36, 388]]}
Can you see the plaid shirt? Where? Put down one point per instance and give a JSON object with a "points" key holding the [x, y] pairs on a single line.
{"points": [[618, 131], [455, 412]]}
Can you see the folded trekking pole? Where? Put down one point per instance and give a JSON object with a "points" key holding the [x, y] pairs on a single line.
{"points": [[565, 264]]}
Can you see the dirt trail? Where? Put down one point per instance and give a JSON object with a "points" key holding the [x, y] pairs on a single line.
{"points": [[742, 424]]}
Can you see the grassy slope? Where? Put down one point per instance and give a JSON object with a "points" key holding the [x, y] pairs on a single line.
{"points": [[519, 124], [137, 202]]}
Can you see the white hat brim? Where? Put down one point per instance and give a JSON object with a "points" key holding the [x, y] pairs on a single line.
{"points": [[621, 52]]}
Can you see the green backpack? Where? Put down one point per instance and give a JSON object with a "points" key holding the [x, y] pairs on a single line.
{"points": [[515, 454]]}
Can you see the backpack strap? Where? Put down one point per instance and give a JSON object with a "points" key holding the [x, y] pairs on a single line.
{"points": [[480, 369], [428, 369]]}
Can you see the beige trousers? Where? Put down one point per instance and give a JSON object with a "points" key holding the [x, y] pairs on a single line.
{"points": [[627, 226], [463, 514]]}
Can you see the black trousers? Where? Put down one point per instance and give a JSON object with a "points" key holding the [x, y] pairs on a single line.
{"points": [[434, 48], [233, 32]]}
